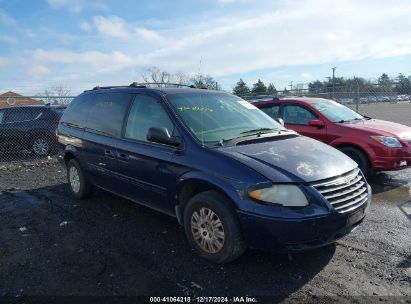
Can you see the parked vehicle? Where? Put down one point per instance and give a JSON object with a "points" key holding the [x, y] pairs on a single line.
{"points": [[376, 145], [231, 175], [29, 128]]}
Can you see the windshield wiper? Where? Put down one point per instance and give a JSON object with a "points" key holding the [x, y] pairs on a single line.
{"points": [[348, 120], [260, 131], [257, 132]]}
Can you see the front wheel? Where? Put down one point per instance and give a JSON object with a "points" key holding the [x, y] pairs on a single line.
{"points": [[359, 157], [212, 227]]}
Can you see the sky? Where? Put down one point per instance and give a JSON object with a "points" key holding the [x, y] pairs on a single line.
{"points": [[79, 44]]}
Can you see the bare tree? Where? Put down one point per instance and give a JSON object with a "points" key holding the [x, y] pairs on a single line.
{"points": [[205, 81], [160, 78], [56, 95], [154, 75]]}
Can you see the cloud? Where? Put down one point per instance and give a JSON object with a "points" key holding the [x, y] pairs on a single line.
{"points": [[146, 34], [112, 26], [94, 59], [4, 61], [231, 1], [77, 6], [85, 26], [7, 38], [234, 40], [6, 20], [74, 6], [38, 71], [293, 35]]}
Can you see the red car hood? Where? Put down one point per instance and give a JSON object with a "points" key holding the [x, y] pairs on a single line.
{"points": [[381, 127]]}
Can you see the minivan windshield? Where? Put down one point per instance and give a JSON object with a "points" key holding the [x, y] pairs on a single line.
{"points": [[336, 112], [216, 116]]}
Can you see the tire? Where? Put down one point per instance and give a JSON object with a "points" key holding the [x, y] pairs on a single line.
{"points": [[79, 186], [201, 231], [41, 145], [359, 157]]}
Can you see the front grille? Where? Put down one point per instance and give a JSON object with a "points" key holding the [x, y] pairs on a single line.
{"points": [[345, 192]]}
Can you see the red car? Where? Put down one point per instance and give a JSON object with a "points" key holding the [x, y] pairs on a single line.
{"points": [[376, 145]]}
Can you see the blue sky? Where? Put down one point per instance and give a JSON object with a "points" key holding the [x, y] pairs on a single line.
{"points": [[79, 44]]}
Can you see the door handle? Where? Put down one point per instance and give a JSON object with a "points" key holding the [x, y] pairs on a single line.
{"points": [[123, 156], [109, 153]]}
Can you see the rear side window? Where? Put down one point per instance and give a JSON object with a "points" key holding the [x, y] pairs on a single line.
{"points": [[145, 113], [272, 111], [19, 114], [106, 113], [1, 116], [76, 113]]}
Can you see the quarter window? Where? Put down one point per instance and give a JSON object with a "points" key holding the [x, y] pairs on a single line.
{"points": [[1, 116], [298, 115], [106, 113], [145, 113]]}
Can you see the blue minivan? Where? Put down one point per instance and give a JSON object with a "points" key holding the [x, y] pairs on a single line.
{"points": [[230, 174]]}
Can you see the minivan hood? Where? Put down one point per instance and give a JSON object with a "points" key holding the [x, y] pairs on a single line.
{"points": [[296, 159], [381, 127]]}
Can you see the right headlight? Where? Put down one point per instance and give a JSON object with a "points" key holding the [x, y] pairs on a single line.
{"points": [[285, 195]]}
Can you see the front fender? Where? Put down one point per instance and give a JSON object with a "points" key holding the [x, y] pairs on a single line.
{"points": [[355, 143], [235, 190]]}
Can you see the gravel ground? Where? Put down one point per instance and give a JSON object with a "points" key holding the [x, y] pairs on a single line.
{"points": [[52, 244]]}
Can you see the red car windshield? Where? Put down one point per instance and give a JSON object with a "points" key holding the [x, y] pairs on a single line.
{"points": [[336, 112]]}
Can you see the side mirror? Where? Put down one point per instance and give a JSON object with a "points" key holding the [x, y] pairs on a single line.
{"points": [[316, 123], [280, 121], [162, 136]]}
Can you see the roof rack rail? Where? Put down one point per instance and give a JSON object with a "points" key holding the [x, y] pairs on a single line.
{"points": [[161, 83], [108, 87], [255, 97], [144, 85]]}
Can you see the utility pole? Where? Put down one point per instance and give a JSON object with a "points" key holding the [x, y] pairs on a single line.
{"points": [[291, 87], [334, 82]]}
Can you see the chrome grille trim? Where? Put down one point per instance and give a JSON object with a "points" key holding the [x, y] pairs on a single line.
{"points": [[345, 192]]}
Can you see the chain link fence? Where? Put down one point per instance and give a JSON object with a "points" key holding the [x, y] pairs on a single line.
{"points": [[28, 123], [28, 126], [389, 101]]}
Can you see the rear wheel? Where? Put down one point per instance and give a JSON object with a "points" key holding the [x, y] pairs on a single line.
{"points": [[40, 145], [79, 186], [212, 227], [359, 157]]}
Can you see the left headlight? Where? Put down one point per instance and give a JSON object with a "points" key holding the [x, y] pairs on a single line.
{"points": [[387, 141], [285, 195]]}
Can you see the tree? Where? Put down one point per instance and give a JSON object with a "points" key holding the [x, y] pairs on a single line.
{"points": [[241, 89], [403, 85], [154, 75], [285, 92], [259, 88], [385, 83], [271, 89], [204, 81], [56, 95], [316, 87]]}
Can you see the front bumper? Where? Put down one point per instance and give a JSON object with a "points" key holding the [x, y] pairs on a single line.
{"points": [[391, 163], [290, 235]]}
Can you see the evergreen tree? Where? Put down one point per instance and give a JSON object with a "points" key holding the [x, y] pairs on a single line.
{"points": [[259, 88], [271, 90], [241, 89], [403, 85]]}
